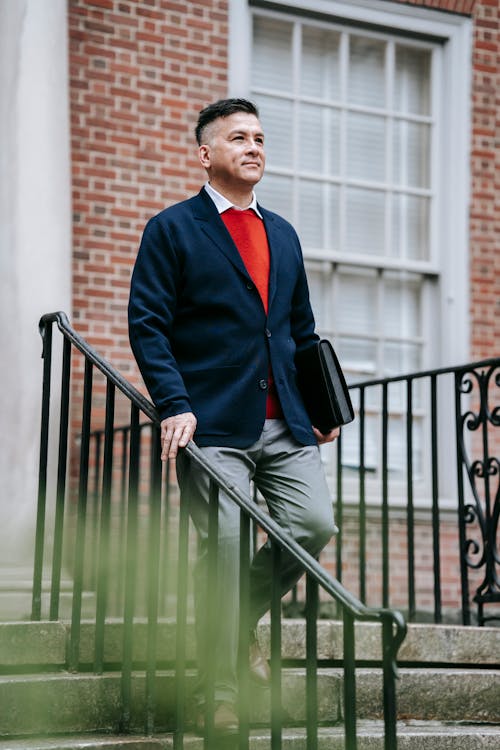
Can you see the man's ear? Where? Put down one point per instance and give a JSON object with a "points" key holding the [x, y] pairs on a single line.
{"points": [[204, 155]]}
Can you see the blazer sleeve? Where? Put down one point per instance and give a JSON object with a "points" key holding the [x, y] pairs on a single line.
{"points": [[151, 312]]}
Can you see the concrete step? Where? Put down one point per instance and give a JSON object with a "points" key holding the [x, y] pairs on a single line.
{"points": [[28, 644], [411, 736], [85, 702]]}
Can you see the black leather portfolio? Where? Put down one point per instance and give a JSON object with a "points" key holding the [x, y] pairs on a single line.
{"points": [[323, 387]]}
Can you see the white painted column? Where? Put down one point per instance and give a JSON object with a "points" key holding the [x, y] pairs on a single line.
{"points": [[35, 243]]}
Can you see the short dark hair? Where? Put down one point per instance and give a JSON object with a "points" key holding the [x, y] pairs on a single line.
{"points": [[222, 108]]}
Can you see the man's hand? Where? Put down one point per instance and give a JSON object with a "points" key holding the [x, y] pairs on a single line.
{"points": [[328, 438], [176, 432]]}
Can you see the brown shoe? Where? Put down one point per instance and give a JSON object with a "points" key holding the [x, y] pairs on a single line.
{"points": [[259, 668], [225, 719]]}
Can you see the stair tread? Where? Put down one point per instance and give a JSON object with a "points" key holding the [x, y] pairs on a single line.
{"points": [[366, 729]]}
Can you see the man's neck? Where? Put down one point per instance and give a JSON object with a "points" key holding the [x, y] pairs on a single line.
{"points": [[241, 197]]}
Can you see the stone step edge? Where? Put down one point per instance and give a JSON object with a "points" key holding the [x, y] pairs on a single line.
{"points": [[45, 643], [420, 730]]}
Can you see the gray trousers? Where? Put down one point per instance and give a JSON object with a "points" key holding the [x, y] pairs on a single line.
{"points": [[292, 481]]}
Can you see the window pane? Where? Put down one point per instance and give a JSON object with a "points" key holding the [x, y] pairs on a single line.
{"points": [[401, 310], [366, 71], [356, 308], [310, 225], [275, 193], [319, 70], [358, 357], [276, 118], [319, 286], [401, 358], [365, 221], [365, 147], [311, 138], [333, 238], [410, 227], [412, 85], [319, 138], [272, 54], [411, 152]]}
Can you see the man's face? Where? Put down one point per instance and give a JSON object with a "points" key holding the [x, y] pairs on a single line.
{"points": [[233, 150]]}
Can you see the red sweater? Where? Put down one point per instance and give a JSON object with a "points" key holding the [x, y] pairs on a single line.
{"points": [[249, 235]]}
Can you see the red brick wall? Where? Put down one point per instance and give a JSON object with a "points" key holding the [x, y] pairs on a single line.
{"points": [[140, 72]]}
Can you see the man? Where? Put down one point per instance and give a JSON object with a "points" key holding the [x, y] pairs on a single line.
{"points": [[219, 306]]}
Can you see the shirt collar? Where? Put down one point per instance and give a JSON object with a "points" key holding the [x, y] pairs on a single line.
{"points": [[222, 203]]}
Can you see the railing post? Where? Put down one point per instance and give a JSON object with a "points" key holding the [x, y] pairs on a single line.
{"points": [[385, 497], [244, 635], [104, 536], [61, 482], [410, 513], [36, 603], [435, 504], [153, 577], [181, 619], [349, 681], [276, 697], [76, 610], [312, 601], [130, 569], [362, 497], [389, 670]]}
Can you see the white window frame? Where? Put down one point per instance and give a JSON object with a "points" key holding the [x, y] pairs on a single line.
{"points": [[451, 108]]}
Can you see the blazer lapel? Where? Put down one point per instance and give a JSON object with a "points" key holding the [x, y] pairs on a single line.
{"points": [[212, 225], [276, 250]]}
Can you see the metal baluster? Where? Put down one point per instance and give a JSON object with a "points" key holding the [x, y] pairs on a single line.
{"points": [[55, 588], [104, 538], [389, 688], [94, 511], [339, 513], [36, 603], [276, 699], [385, 499], [362, 498], [153, 577], [130, 569], [349, 681], [181, 620], [466, 618], [122, 519], [165, 545], [244, 635], [312, 601], [212, 603], [76, 612], [410, 514], [435, 504]]}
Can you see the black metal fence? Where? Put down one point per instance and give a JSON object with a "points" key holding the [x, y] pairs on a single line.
{"points": [[418, 494], [428, 501], [109, 517]]}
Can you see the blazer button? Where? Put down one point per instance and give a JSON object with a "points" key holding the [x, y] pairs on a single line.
{"points": [[268, 333], [263, 385], [249, 285]]}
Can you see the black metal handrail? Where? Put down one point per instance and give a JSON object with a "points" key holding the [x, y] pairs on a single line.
{"points": [[393, 624]]}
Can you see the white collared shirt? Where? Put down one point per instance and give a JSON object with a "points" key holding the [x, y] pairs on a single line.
{"points": [[222, 203]]}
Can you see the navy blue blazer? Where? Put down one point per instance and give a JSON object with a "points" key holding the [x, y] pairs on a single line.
{"points": [[199, 331]]}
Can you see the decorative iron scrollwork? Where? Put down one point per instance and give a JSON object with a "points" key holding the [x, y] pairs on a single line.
{"points": [[480, 517]]}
